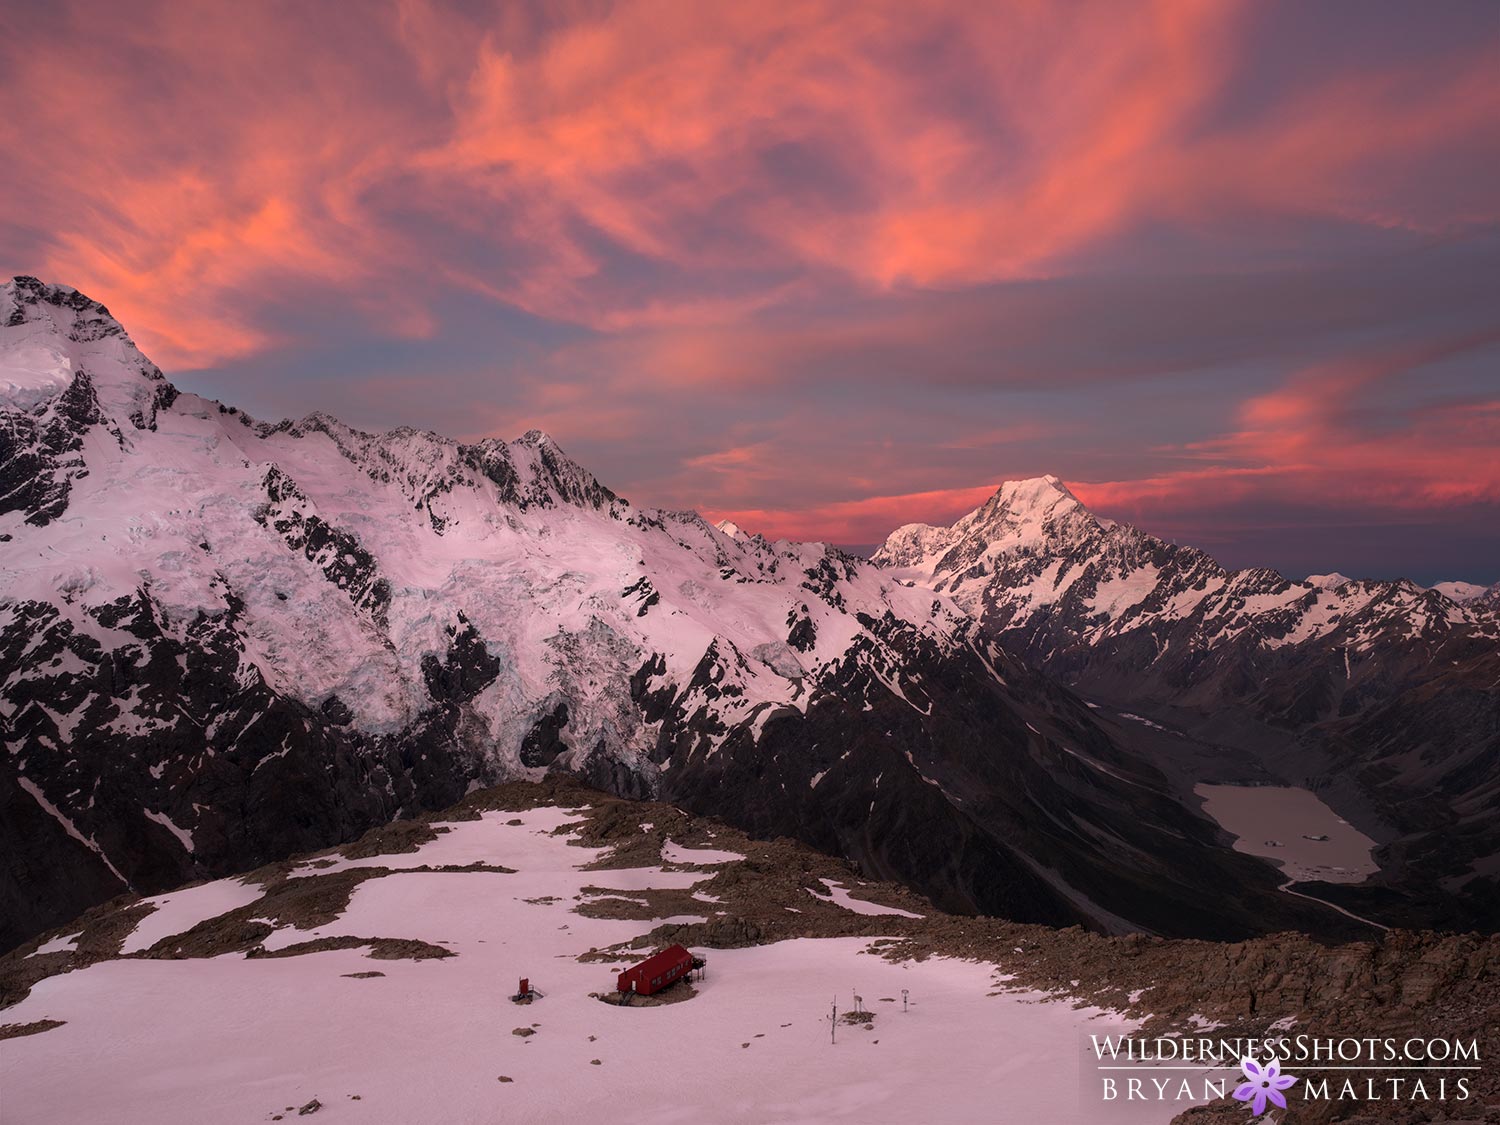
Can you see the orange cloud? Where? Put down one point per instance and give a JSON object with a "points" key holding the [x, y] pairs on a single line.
{"points": [[1360, 148], [645, 123], [1325, 437], [663, 164]]}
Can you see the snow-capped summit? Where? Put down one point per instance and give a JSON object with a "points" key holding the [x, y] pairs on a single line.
{"points": [[1027, 511], [68, 372], [49, 333], [1465, 593], [1034, 494], [1021, 513], [1329, 581]]}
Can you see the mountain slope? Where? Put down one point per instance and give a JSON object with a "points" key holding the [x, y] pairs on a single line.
{"points": [[304, 985], [330, 953], [1382, 694], [223, 641]]}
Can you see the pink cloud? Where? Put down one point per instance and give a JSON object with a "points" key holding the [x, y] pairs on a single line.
{"points": [[1311, 441], [951, 144]]}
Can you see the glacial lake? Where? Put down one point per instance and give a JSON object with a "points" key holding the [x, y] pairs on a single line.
{"points": [[1274, 822]]}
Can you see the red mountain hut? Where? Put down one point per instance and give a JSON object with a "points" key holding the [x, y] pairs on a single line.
{"points": [[658, 971]]}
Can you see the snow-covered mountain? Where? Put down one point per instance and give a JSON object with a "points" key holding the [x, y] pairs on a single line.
{"points": [[1471, 594], [223, 641], [1034, 561], [1384, 693], [1461, 592]]}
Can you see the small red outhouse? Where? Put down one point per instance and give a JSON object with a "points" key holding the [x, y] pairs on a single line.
{"points": [[657, 971]]}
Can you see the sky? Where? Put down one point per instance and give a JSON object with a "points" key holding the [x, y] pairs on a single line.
{"points": [[1231, 270]]}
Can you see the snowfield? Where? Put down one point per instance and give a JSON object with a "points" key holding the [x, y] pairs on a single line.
{"points": [[839, 894], [240, 1039], [182, 910], [700, 856]]}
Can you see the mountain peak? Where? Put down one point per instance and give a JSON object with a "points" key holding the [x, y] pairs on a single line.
{"points": [[1025, 510], [1019, 512], [24, 299], [55, 341], [1035, 492], [1333, 581], [1465, 593]]}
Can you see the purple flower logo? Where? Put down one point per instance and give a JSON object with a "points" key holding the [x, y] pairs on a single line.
{"points": [[1265, 1084]]}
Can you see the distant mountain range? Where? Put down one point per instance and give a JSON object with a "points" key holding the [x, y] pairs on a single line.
{"points": [[1385, 696], [224, 641]]}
